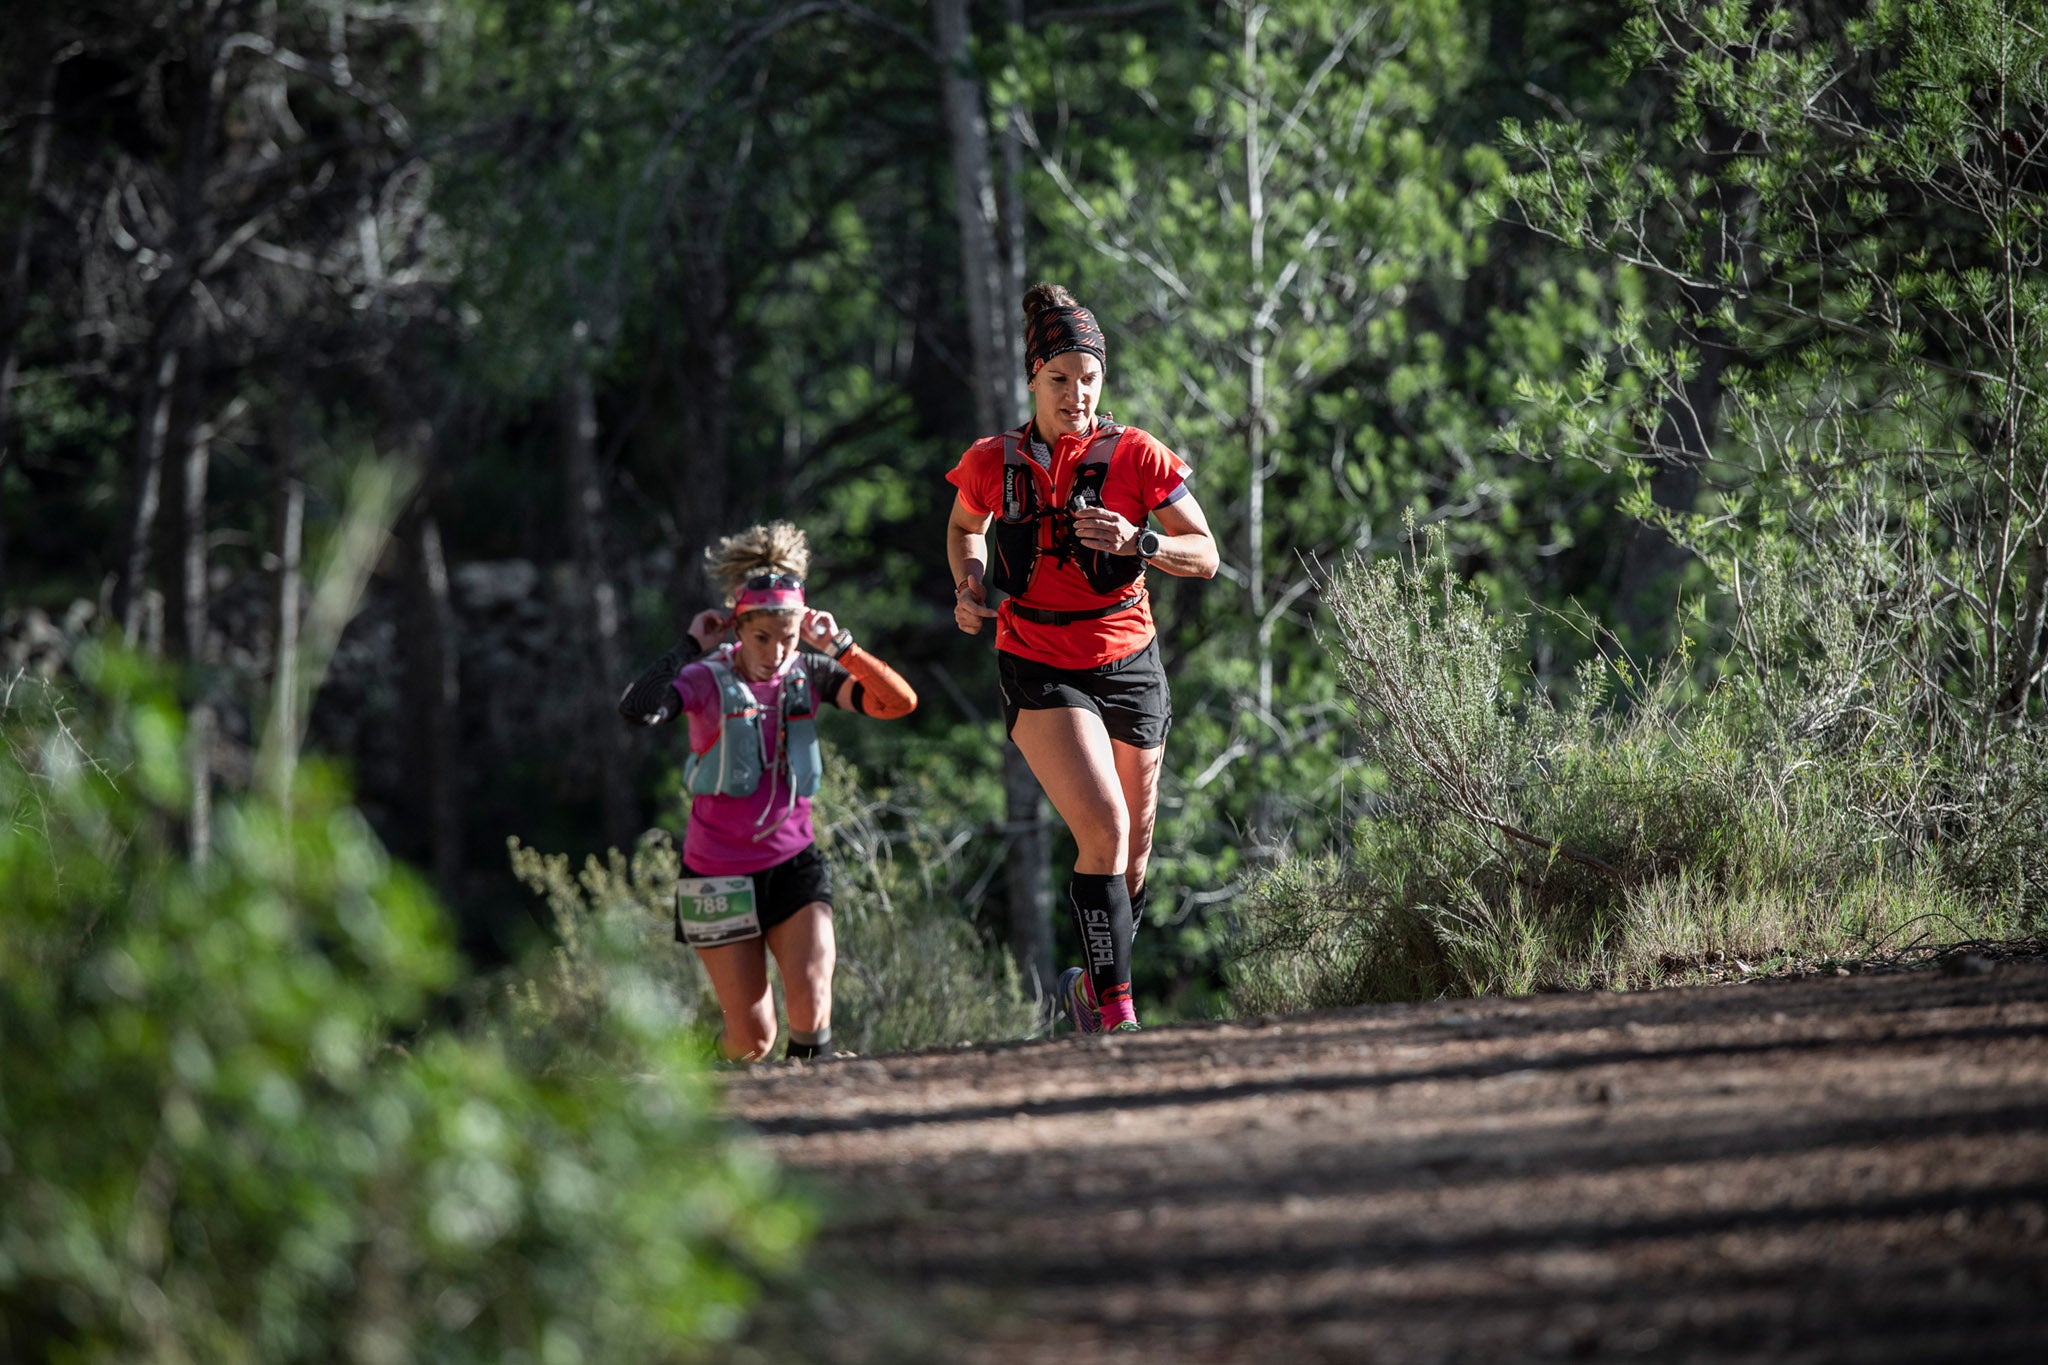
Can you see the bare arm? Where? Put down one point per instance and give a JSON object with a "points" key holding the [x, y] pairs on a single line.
{"points": [[967, 555], [1186, 549]]}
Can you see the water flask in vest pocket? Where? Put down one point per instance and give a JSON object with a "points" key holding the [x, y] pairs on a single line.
{"points": [[1013, 548], [715, 910], [1104, 571]]}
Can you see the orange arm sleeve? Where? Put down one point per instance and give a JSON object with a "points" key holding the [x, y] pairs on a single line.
{"points": [[884, 694]]}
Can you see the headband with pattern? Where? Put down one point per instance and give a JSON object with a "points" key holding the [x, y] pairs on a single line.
{"points": [[1057, 331]]}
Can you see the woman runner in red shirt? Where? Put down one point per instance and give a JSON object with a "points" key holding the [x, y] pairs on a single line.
{"points": [[753, 881], [1065, 500]]}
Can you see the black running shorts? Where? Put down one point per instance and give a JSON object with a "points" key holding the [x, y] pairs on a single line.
{"points": [[782, 890], [1128, 693]]}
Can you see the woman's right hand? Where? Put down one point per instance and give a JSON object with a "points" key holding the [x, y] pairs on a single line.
{"points": [[970, 607], [706, 628]]}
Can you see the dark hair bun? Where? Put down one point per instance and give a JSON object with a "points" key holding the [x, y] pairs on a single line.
{"points": [[1040, 297]]}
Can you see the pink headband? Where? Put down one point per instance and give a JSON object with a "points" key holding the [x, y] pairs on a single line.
{"points": [[770, 592]]}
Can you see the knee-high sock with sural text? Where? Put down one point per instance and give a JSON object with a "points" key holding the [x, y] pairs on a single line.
{"points": [[1102, 914]]}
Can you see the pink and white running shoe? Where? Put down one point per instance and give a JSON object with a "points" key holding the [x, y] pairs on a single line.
{"points": [[1077, 1001]]}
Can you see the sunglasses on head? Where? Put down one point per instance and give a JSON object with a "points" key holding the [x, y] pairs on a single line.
{"points": [[769, 582]]}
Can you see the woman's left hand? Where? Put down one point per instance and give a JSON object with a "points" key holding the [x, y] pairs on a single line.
{"points": [[1101, 529], [819, 628]]}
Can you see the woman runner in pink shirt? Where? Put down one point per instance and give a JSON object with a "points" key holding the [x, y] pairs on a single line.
{"points": [[753, 881]]}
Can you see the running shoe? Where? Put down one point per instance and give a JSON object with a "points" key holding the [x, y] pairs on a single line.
{"points": [[1077, 1002], [1127, 1026]]}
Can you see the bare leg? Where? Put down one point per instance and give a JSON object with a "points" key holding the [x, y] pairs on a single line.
{"points": [[1071, 755], [739, 976], [805, 952], [1137, 772]]}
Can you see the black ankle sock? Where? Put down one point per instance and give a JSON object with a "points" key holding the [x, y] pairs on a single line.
{"points": [[1102, 914], [806, 1046]]}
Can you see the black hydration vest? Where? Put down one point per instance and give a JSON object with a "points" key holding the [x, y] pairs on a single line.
{"points": [[1025, 530]]}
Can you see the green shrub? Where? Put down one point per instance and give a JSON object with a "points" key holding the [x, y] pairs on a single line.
{"points": [[1645, 826], [229, 1130], [913, 971]]}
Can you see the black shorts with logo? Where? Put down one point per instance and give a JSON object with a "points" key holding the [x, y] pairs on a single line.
{"points": [[1128, 693], [782, 890]]}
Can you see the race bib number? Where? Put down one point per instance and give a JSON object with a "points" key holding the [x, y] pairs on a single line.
{"points": [[715, 910]]}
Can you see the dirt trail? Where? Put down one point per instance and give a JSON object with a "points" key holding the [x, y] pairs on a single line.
{"points": [[1838, 1169]]}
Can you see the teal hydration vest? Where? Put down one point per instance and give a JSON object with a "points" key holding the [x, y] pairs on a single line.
{"points": [[737, 758]]}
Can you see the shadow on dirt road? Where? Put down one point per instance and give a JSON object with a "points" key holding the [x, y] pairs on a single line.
{"points": [[1826, 1170]]}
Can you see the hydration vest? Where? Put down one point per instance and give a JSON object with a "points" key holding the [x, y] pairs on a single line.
{"points": [[1019, 539], [738, 755]]}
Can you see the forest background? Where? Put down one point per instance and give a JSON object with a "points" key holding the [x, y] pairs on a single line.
{"points": [[1622, 423]]}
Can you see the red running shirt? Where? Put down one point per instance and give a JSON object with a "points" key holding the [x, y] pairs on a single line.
{"points": [[1143, 475]]}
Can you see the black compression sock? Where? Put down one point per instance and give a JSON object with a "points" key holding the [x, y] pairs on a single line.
{"points": [[1102, 913], [1140, 903], [805, 1047]]}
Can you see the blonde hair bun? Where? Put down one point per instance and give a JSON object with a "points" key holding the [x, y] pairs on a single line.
{"points": [[777, 547]]}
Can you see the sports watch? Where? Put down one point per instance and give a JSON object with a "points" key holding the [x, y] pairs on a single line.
{"points": [[1148, 543], [839, 643]]}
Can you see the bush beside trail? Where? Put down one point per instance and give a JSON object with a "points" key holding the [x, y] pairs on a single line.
{"points": [[913, 970], [1652, 826], [235, 1126]]}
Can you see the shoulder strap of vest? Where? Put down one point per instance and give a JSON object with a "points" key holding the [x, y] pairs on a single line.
{"points": [[1013, 442], [734, 696], [799, 700], [1020, 494], [1103, 444]]}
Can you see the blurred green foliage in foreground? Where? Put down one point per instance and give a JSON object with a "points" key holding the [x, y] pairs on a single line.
{"points": [[234, 1127]]}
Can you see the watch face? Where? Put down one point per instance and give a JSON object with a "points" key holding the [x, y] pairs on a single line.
{"points": [[1148, 544]]}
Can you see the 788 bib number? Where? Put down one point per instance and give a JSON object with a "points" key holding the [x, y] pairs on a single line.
{"points": [[715, 910]]}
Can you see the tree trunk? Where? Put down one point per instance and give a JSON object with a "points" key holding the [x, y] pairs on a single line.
{"points": [[153, 424], [1010, 363], [188, 584], [974, 206], [282, 742], [1027, 870], [201, 727], [430, 658], [986, 270], [1267, 840], [2030, 630], [1646, 591], [14, 306], [191, 240], [188, 633], [703, 499], [434, 689], [1255, 363], [600, 617]]}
